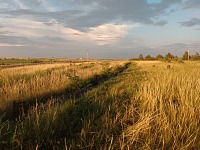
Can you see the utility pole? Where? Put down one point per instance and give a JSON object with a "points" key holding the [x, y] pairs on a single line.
{"points": [[188, 55]]}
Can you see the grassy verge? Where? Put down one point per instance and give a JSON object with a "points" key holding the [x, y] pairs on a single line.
{"points": [[65, 126], [34, 82]]}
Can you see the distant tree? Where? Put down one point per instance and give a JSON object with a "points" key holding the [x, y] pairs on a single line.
{"points": [[196, 56], [169, 56], [149, 57], [176, 58], [140, 57], [185, 56], [159, 57]]}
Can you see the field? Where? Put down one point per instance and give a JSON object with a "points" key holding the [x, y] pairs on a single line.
{"points": [[101, 105], [17, 62]]}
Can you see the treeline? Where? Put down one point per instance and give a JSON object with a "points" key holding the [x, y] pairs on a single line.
{"points": [[170, 57]]}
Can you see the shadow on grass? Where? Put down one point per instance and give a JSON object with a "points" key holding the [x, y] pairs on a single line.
{"points": [[80, 123], [75, 90]]}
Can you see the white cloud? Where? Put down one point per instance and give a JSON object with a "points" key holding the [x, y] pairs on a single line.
{"points": [[4, 5], [20, 5], [9, 45], [22, 27], [100, 35], [109, 33]]}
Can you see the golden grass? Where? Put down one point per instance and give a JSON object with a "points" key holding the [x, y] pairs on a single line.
{"points": [[168, 104], [28, 82], [161, 112]]}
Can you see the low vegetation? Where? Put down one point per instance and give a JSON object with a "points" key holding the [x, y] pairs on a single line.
{"points": [[142, 105], [37, 82]]}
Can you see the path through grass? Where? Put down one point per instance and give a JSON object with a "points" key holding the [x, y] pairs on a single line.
{"points": [[94, 121]]}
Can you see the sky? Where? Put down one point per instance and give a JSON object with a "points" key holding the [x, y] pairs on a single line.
{"points": [[105, 28]]}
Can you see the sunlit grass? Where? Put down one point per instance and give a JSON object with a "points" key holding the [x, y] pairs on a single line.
{"points": [[146, 107], [30, 82], [168, 105]]}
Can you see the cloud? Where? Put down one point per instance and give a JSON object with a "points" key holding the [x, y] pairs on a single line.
{"points": [[102, 26], [29, 32], [160, 23], [178, 47], [135, 11], [58, 16], [12, 4], [192, 22], [33, 33], [34, 3], [109, 33], [14, 40], [91, 13], [9, 45], [175, 46], [192, 4]]}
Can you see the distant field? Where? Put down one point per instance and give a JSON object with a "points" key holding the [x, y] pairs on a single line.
{"points": [[103, 105], [15, 61]]}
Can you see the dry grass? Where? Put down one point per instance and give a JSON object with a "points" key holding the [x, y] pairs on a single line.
{"points": [[92, 122], [161, 112], [28, 82], [168, 105]]}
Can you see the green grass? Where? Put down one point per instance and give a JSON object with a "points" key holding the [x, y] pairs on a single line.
{"points": [[15, 61], [21, 61]]}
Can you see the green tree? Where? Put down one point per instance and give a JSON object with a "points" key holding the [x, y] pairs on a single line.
{"points": [[176, 58], [159, 57], [149, 57], [169, 56], [140, 57], [196, 56], [185, 56]]}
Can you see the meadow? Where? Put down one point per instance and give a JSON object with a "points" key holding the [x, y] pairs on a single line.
{"points": [[109, 105], [44, 80]]}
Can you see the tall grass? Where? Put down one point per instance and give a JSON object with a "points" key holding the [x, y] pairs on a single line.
{"points": [[92, 122], [157, 111], [89, 122], [168, 105], [31, 82]]}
